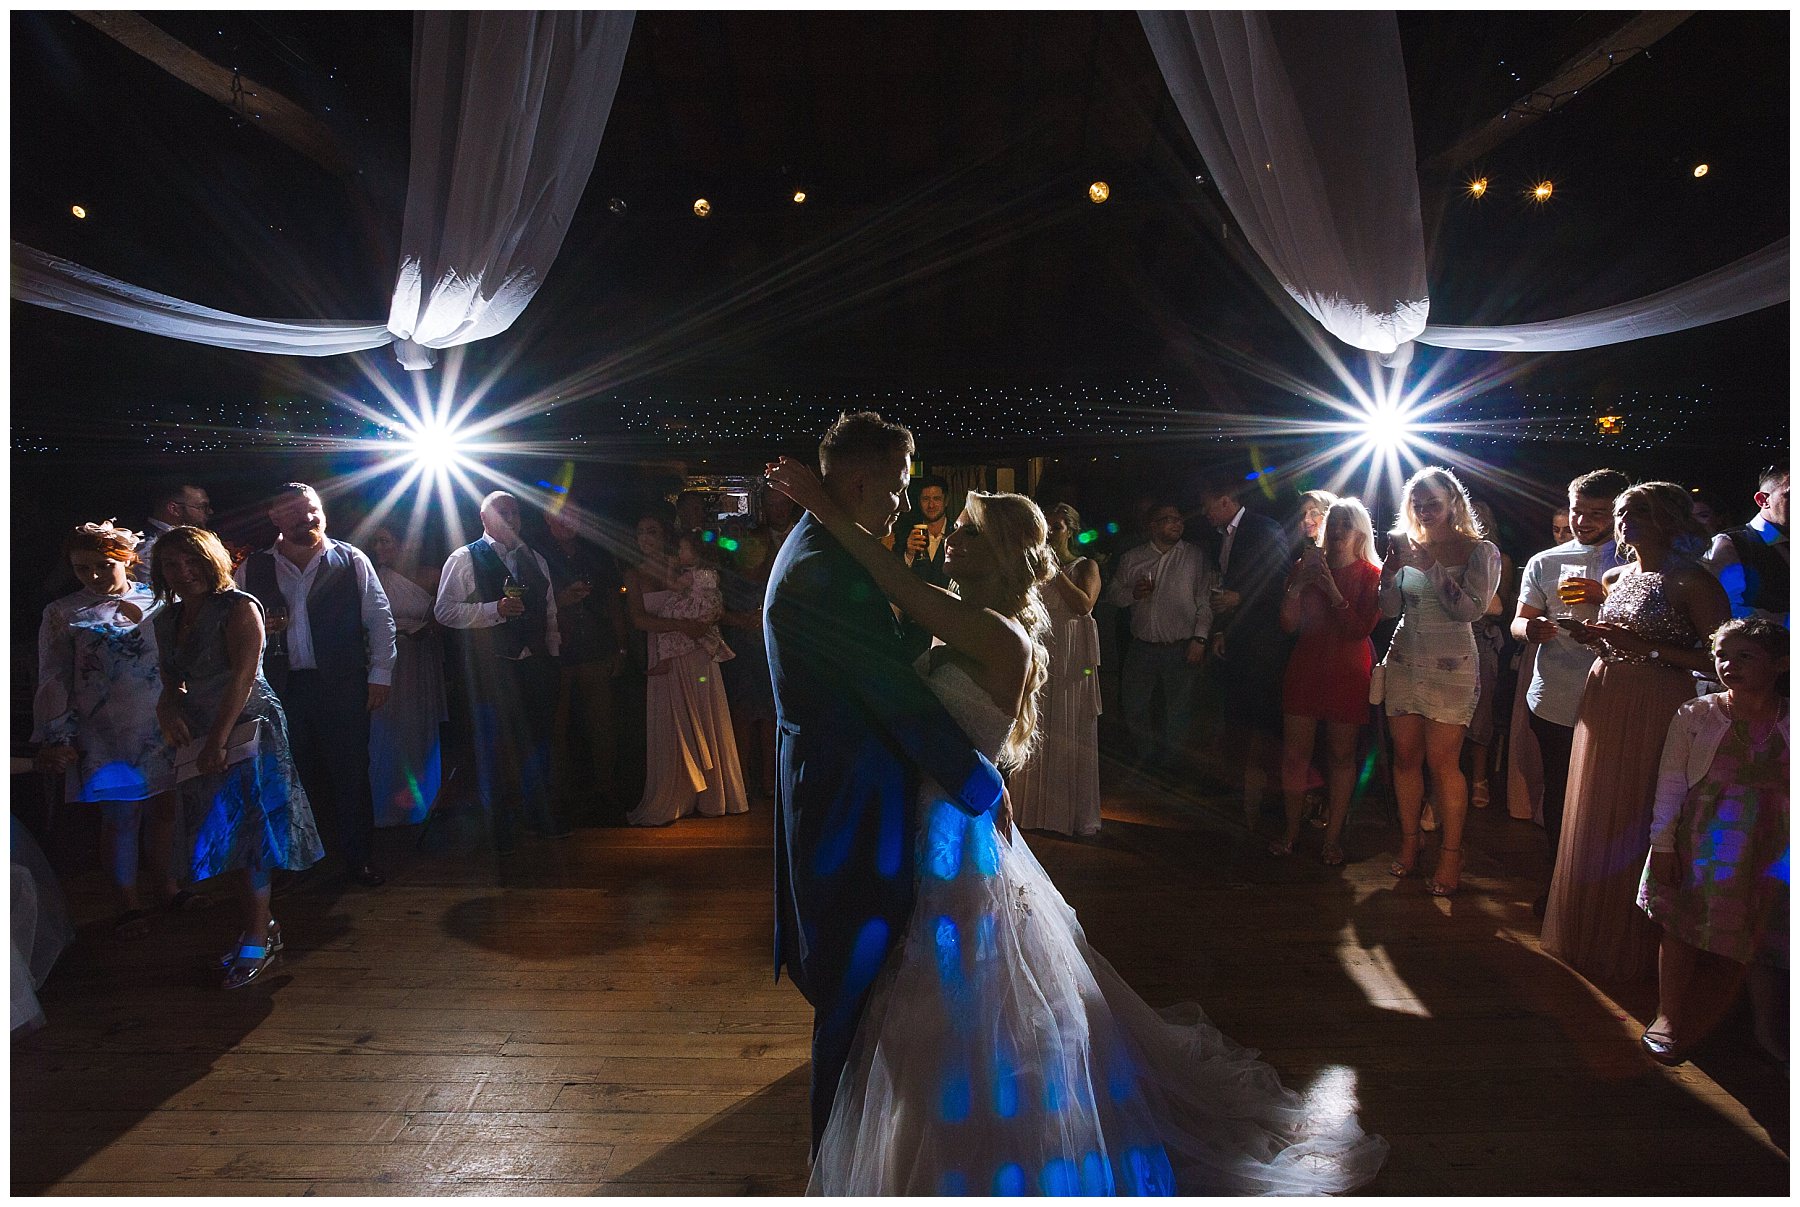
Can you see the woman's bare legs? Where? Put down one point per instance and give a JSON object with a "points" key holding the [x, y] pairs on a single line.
{"points": [[1340, 777], [1297, 737], [1450, 794], [1408, 733]]}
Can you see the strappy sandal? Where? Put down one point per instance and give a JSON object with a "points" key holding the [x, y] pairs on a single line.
{"points": [[1332, 856], [248, 963], [1401, 871], [1438, 889], [271, 940], [132, 925], [1280, 850]]}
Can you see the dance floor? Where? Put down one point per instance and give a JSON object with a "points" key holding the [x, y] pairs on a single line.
{"points": [[597, 1015]]}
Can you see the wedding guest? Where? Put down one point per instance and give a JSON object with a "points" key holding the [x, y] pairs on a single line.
{"points": [[1332, 601], [330, 659], [1709, 513], [691, 765], [94, 716], [1309, 524], [780, 514], [1657, 606], [691, 512], [173, 502], [748, 689], [1751, 562], [1165, 583], [1716, 878], [1490, 647], [1564, 582], [1247, 643], [405, 734], [924, 548], [590, 613], [496, 590], [1560, 531], [1439, 577], [243, 809], [1058, 788]]}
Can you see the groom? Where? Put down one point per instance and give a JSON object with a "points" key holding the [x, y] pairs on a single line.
{"points": [[857, 730]]}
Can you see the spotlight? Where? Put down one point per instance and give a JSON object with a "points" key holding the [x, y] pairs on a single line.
{"points": [[1478, 186], [1385, 428], [799, 196], [1099, 191], [1541, 191], [702, 207], [80, 212], [436, 446], [1700, 170]]}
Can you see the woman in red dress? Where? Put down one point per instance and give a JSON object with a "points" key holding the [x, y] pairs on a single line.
{"points": [[1331, 601]]}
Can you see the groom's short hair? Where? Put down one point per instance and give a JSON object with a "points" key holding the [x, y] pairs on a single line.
{"points": [[860, 439]]}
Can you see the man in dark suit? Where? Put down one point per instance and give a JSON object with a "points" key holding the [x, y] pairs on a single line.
{"points": [[857, 730], [923, 546], [1247, 643]]}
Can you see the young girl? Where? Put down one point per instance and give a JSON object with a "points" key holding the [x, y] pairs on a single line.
{"points": [[1716, 879]]}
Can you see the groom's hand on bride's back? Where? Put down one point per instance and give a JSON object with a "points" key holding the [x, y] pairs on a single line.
{"points": [[1003, 818]]}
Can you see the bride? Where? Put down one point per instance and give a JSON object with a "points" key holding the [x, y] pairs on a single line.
{"points": [[1000, 1054]]}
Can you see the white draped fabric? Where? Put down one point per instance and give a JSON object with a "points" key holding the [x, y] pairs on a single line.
{"points": [[1759, 279], [508, 112], [508, 109], [1304, 123], [44, 280]]}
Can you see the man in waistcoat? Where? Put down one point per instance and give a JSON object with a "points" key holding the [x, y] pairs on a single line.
{"points": [[329, 656], [1752, 562], [497, 591]]}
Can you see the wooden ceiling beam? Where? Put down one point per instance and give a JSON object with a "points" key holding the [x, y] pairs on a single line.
{"points": [[1585, 69], [260, 105]]}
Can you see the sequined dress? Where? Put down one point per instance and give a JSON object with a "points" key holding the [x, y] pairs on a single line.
{"points": [[1000, 1054], [1593, 923]]}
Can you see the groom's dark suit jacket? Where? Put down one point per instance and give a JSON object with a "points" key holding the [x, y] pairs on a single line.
{"points": [[857, 729]]}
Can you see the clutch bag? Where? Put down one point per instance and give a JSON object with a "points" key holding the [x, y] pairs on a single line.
{"points": [[242, 743]]}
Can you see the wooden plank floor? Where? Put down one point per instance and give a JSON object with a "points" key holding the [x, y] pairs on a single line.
{"points": [[598, 1016]]}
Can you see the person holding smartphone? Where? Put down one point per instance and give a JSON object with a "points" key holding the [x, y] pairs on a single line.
{"points": [[1439, 577], [1332, 601]]}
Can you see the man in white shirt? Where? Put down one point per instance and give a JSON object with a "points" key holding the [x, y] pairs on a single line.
{"points": [[1561, 668], [174, 503], [1164, 582], [329, 656], [1751, 562], [497, 590]]}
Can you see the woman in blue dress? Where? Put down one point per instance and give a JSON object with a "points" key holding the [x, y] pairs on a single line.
{"points": [[242, 807], [94, 715], [999, 1053]]}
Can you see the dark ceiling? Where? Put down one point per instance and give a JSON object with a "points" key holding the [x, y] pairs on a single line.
{"points": [[946, 241]]}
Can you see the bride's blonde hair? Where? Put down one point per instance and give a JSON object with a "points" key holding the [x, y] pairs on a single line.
{"points": [[1023, 562]]}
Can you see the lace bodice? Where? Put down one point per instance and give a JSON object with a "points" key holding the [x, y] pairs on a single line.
{"points": [[1640, 602], [986, 723]]}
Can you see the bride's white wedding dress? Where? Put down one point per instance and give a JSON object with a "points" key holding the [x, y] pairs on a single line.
{"points": [[1001, 1055]]}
